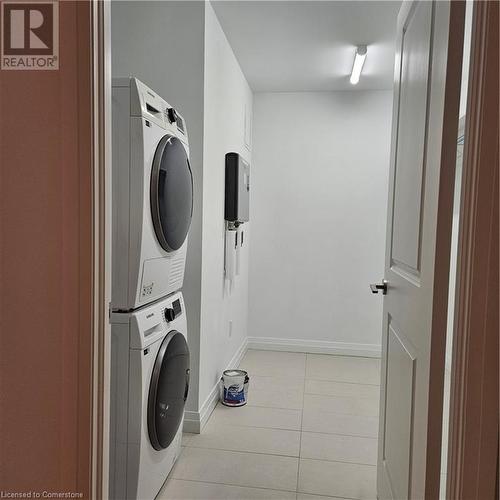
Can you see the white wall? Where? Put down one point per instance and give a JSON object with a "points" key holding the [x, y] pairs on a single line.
{"points": [[227, 95], [318, 212], [180, 50], [161, 43]]}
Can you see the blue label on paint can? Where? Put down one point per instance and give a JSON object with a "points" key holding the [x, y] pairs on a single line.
{"points": [[234, 394]]}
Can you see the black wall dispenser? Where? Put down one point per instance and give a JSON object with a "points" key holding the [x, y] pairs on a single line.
{"points": [[236, 210]]}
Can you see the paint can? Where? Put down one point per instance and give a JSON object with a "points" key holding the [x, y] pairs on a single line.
{"points": [[234, 387]]}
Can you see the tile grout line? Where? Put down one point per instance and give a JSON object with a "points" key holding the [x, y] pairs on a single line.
{"points": [[267, 407], [341, 434], [318, 379], [305, 430], [337, 462], [342, 381], [272, 407], [262, 427], [301, 418], [301, 426], [282, 455], [245, 451], [299, 456], [231, 484]]}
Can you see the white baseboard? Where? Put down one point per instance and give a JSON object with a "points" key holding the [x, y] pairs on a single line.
{"points": [[194, 421], [314, 346], [191, 422]]}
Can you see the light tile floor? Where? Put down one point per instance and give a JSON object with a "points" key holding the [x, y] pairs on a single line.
{"points": [[308, 432]]}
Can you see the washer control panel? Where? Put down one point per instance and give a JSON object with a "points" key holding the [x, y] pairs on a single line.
{"points": [[173, 312], [148, 324]]}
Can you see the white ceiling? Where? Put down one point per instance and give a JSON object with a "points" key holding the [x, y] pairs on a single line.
{"points": [[310, 45]]}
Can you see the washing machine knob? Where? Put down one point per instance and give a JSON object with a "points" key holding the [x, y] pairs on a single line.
{"points": [[169, 314], [172, 115]]}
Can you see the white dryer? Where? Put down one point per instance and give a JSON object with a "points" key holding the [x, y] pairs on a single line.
{"points": [[149, 387], [152, 196]]}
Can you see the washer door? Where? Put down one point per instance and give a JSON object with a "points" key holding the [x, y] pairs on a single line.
{"points": [[171, 193], [168, 390]]}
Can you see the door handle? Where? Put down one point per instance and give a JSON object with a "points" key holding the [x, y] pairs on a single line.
{"points": [[376, 287], [186, 386]]}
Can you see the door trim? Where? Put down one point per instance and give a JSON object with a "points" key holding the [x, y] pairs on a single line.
{"points": [[448, 155], [473, 440], [101, 217]]}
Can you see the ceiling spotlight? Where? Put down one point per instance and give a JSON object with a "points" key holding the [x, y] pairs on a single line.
{"points": [[359, 61]]}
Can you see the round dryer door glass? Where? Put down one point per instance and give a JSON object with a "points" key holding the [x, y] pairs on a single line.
{"points": [[168, 390], [171, 193]]}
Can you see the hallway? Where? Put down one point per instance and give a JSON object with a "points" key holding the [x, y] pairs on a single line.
{"points": [[310, 428]]}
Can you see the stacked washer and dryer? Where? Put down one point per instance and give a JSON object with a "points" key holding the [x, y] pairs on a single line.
{"points": [[152, 210]]}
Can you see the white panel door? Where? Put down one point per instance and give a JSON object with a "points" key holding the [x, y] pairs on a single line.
{"points": [[418, 244]]}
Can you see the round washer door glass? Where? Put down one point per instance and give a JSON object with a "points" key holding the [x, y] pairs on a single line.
{"points": [[171, 193], [168, 390]]}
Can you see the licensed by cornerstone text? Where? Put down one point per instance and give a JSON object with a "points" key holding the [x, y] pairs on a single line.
{"points": [[40, 494]]}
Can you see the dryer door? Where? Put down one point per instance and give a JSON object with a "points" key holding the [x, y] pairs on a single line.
{"points": [[168, 390], [171, 193]]}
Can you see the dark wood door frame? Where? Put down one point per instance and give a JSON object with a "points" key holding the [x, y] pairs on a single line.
{"points": [[55, 264], [474, 411], [46, 268]]}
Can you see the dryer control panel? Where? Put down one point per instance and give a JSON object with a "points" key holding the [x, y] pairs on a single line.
{"points": [[146, 103]]}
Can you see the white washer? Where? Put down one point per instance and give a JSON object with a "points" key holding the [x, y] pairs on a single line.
{"points": [[149, 386], [152, 196]]}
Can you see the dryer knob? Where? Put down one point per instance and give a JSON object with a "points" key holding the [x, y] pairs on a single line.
{"points": [[169, 314], [172, 115]]}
